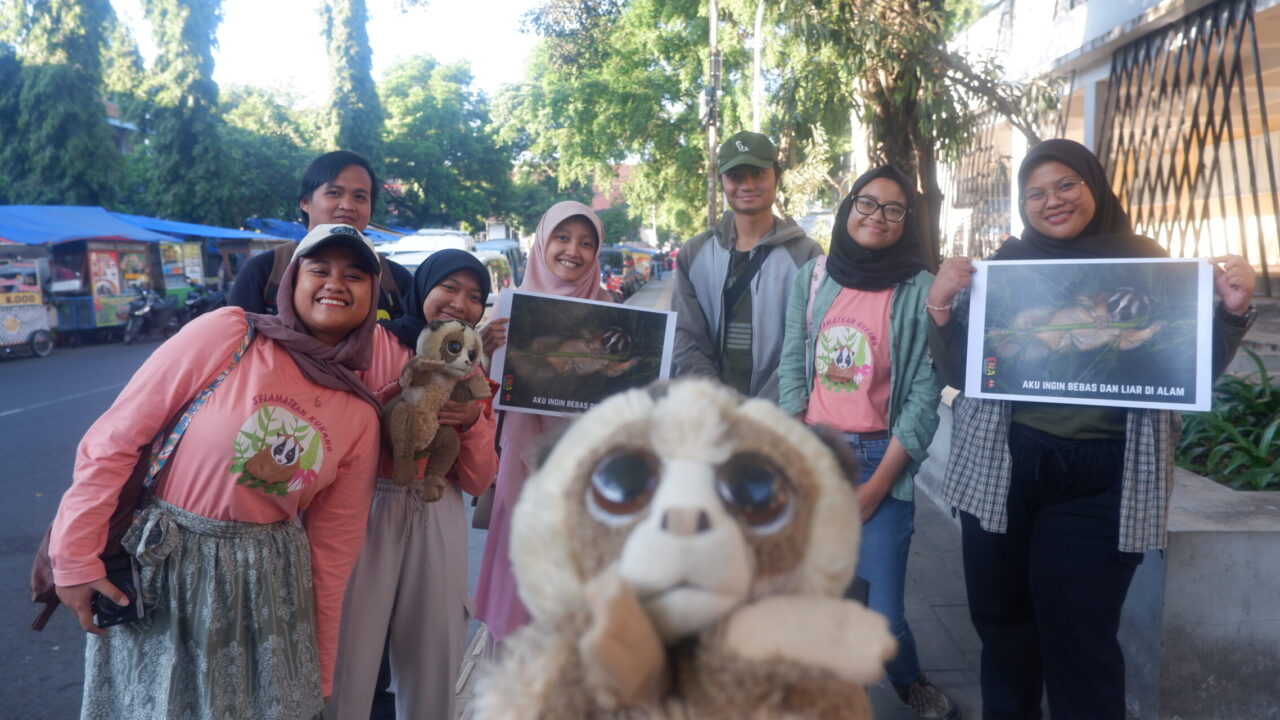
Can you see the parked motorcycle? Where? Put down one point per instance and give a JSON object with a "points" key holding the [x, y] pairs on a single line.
{"points": [[149, 313], [200, 300]]}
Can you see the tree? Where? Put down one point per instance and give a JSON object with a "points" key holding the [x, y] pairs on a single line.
{"points": [[185, 173], [440, 146], [262, 133], [355, 114], [58, 146], [618, 79], [617, 82], [534, 189]]}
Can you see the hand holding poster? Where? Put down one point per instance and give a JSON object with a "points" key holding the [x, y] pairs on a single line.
{"points": [[564, 355], [1124, 333]]}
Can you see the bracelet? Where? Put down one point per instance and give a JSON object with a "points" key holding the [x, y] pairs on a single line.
{"points": [[937, 308]]}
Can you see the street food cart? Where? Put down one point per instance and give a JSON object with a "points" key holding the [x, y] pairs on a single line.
{"points": [[95, 260], [24, 318]]}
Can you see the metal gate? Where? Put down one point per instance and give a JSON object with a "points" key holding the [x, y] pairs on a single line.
{"points": [[1185, 137]]}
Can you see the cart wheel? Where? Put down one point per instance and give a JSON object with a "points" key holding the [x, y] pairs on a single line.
{"points": [[41, 343]]}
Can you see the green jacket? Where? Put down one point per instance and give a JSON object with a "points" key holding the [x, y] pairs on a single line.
{"points": [[914, 387]]}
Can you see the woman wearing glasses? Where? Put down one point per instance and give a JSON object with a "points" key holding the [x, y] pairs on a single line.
{"points": [[855, 358], [1059, 502]]}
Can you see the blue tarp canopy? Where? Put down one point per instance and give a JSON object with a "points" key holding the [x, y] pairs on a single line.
{"points": [[279, 228], [173, 227], [40, 224], [297, 231]]}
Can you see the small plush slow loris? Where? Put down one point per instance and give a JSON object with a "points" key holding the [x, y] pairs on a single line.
{"points": [[682, 553], [1117, 319], [447, 351]]}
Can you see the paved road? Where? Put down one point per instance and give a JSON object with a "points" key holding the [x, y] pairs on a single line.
{"points": [[45, 406]]}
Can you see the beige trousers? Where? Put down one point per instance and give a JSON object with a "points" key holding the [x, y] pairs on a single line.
{"points": [[409, 588]]}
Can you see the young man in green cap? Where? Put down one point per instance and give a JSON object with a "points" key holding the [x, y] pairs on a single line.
{"points": [[732, 281]]}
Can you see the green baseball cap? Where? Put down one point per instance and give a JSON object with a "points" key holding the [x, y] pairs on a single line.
{"points": [[747, 148]]}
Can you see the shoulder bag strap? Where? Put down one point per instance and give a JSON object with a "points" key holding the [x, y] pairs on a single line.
{"points": [[162, 447], [282, 255]]}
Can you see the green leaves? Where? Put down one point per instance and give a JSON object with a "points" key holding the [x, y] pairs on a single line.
{"points": [[1235, 443]]}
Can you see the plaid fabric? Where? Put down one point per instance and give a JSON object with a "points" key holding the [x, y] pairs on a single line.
{"points": [[979, 469]]}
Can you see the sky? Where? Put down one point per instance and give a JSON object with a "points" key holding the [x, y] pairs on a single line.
{"points": [[279, 44]]}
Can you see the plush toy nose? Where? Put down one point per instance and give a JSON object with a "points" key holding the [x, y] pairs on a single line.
{"points": [[685, 521]]}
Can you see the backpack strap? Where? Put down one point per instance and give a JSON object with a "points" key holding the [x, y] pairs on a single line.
{"points": [[390, 291], [815, 279], [282, 256]]}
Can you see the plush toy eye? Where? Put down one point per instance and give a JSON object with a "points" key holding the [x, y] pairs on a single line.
{"points": [[753, 489], [455, 346], [622, 483]]}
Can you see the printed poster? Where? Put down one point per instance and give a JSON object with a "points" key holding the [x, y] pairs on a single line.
{"points": [[563, 356], [1123, 333]]}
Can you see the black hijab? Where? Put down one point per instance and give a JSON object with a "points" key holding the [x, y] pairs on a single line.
{"points": [[1108, 234], [438, 266], [854, 266]]}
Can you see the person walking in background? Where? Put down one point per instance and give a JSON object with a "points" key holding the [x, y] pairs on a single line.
{"points": [[564, 261], [409, 587], [1059, 502], [855, 357], [732, 281]]}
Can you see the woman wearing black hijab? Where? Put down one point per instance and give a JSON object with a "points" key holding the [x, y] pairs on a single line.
{"points": [[849, 315], [409, 587], [1059, 502]]}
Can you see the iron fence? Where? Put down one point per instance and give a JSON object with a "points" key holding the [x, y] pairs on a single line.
{"points": [[1186, 140]]}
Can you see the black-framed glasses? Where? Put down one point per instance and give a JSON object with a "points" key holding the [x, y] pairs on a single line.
{"points": [[1067, 190], [892, 212]]}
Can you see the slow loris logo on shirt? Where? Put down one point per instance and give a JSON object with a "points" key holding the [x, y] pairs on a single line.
{"points": [[843, 360], [276, 452]]}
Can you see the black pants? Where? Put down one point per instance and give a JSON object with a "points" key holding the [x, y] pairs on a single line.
{"points": [[1045, 597]]}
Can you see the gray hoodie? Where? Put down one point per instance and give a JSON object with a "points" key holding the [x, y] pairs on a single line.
{"points": [[701, 269]]}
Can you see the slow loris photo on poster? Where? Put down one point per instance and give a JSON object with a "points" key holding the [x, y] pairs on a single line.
{"points": [[566, 355], [1124, 333]]}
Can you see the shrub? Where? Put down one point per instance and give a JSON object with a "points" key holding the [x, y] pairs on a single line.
{"points": [[1237, 443]]}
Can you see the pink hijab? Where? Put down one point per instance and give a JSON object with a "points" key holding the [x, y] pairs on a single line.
{"points": [[497, 600], [539, 278]]}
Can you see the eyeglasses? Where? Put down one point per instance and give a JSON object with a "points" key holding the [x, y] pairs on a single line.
{"points": [[892, 212], [1067, 190]]}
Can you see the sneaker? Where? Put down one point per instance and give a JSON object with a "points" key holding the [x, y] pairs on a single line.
{"points": [[927, 701]]}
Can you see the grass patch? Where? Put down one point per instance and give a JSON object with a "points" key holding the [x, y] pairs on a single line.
{"points": [[1237, 443]]}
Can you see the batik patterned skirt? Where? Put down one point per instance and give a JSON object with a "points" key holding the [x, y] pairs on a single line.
{"points": [[230, 626]]}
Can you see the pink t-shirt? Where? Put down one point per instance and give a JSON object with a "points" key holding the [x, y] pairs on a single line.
{"points": [[267, 444], [851, 363]]}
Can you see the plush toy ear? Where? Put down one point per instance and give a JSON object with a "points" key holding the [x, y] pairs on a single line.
{"points": [[844, 456]]}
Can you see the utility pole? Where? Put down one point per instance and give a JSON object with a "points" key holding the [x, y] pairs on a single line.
{"points": [[713, 120], [757, 74]]}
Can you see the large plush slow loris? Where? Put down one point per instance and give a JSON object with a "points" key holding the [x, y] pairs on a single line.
{"points": [[682, 551], [447, 351]]}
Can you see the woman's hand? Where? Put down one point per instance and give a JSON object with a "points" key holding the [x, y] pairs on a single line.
{"points": [[955, 274], [1234, 282], [494, 335], [870, 495], [461, 414], [77, 597]]}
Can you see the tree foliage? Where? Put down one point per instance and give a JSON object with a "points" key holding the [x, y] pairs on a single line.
{"points": [[355, 113], [263, 133], [184, 171], [440, 147], [57, 145], [620, 80]]}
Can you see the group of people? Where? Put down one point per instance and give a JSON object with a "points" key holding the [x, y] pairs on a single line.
{"points": [[281, 569]]}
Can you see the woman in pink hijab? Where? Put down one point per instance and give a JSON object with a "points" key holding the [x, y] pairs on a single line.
{"points": [[564, 262]]}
